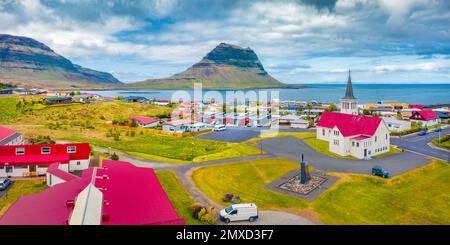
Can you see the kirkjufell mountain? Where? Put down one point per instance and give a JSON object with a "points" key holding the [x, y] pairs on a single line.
{"points": [[226, 66]]}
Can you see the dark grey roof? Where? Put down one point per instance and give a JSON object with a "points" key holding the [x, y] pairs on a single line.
{"points": [[9, 138], [349, 89]]}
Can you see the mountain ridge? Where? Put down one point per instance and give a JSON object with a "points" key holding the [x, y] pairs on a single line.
{"points": [[29, 63], [227, 66]]}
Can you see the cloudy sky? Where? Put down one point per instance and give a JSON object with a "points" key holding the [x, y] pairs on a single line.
{"points": [[298, 41]]}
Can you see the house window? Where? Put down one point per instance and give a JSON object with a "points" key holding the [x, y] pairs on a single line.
{"points": [[71, 149], [336, 142], [357, 144], [20, 151], [45, 150], [386, 136], [323, 132], [21, 167], [78, 163], [375, 138], [353, 144]]}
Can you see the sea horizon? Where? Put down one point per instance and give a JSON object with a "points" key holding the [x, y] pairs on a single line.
{"points": [[426, 94]]}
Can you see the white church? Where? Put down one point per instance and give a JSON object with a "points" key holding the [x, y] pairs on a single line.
{"points": [[350, 134]]}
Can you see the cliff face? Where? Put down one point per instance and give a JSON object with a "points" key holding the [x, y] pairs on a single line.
{"points": [[226, 66], [27, 62]]}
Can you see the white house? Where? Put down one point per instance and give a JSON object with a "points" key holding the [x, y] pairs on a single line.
{"points": [[10, 137], [425, 118], [145, 122], [183, 125], [395, 125], [354, 135]]}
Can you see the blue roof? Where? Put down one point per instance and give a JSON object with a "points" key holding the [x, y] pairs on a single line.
{"points": [[59, 98], [441, 114]]}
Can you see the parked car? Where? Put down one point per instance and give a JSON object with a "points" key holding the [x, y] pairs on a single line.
{"points": [[237, 212], [438, 129], [4, 183], [423, 132], [219, 127], [379, 171]]}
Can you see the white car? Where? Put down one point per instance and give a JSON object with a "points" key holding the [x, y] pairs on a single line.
{"points": [[219, 127], [237, 212]]}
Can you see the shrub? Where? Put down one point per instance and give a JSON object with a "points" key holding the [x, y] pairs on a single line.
{"points": [[114, 157], [227, 197], [194, 209]]}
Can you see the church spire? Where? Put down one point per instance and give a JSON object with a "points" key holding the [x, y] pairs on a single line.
{"points": [[349, 89]]}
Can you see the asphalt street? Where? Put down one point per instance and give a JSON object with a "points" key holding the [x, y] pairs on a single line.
{"points": [[420, 145], [292, 148]]}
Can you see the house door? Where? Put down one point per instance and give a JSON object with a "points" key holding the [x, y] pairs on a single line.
{"points": [[365, 152], [32, 168]]}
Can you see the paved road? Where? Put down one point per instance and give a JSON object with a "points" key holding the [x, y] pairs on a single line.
{"points": [[292, 148], [275, 218], [241, 134], [420, 144]]}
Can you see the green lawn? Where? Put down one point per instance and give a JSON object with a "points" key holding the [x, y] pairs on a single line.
{"points": [[20, 188], [444, 142], [173, 148], [8, 109], [247, 180], [322, 146], [178, 196], [392, 150], [418, 197]]}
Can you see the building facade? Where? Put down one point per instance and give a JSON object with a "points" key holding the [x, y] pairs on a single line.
{"points": [[425, 118], [353, 135], [34, 160]]}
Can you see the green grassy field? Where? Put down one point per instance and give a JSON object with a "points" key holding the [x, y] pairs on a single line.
{"points": [[247, 180], [92, 123], [20, 188], [444, 142], [322, 146], [418, 197], [178, 196]]}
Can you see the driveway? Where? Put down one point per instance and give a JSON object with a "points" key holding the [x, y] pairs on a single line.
{"points": [[420, 145], [292, 148], [241, 134], [275, 218]]}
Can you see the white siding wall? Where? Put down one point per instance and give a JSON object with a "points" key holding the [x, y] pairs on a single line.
{"points": [[53, 180], [319, 133], [78, 165], [342, 147]]}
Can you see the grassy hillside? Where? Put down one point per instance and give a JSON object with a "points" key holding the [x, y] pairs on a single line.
{"points": [[93, 123]]}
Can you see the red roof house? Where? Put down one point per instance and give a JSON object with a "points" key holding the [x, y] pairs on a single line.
{"points": [[424, 115], [10, 137], [350, 125], [129, 195], [145, 121], [415, 106], [46, 154]]}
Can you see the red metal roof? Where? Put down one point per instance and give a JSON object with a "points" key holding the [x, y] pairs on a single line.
{"points": [[350, 125], [5, 132], [424, 115], [33, 155], [132, 196], [361, 137], [415, 106], [54, 170], [144, 120]]}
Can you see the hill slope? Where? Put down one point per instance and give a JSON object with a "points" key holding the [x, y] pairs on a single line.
{"points": [[29, 63], [226, 66]]}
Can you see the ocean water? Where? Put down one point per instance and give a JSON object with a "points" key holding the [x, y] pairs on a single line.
{"points": [[426, 94]]}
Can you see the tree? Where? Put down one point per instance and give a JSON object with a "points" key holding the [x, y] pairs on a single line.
{"points": [[114, 157], [366, 112], [331, 107]]}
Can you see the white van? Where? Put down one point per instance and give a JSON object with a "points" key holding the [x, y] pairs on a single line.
{"points": [[219, 127], [236, 212]]}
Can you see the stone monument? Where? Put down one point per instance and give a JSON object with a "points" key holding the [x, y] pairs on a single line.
{"points": [[305, 176]]}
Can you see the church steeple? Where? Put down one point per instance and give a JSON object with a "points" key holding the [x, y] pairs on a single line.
{"points": [[349, 104], [349, 89]]}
